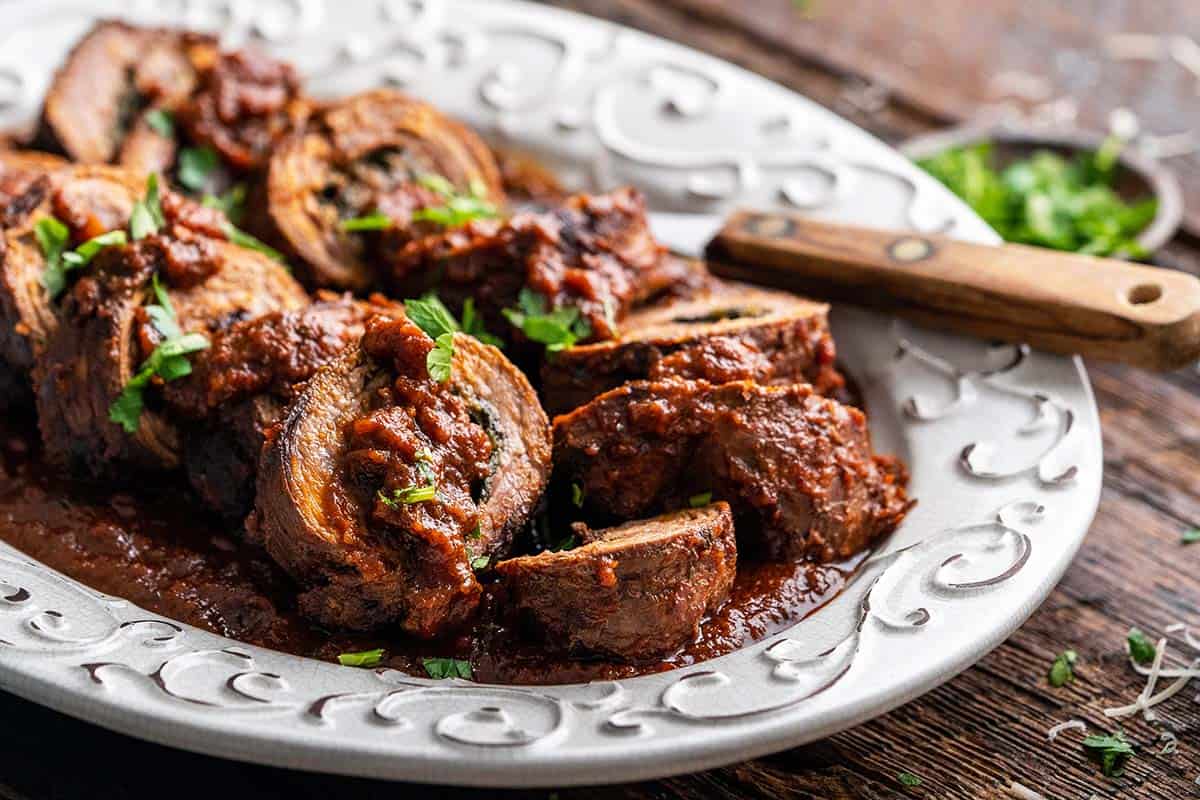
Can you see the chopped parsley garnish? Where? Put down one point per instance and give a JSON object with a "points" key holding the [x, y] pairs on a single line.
{"points": [[480, 562], [557, 329], [232, 203], [908, 779], [161, 122], [243, 239], [375, 221], [196, 164], [577, 495], [698, 500], [1048, 201], [1112, 752], [458, 208], [147, 216], [1141, 649], [52, 237], [441, 358], [58, 263], [168, 361], [1190, 536], [442, 668], [431, 315], [408, 495], [476, 532], [367, 658], [1061, 672], [568, 543]]}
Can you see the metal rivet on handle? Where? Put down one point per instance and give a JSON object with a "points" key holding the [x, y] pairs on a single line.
{"points": [[910, 249]]}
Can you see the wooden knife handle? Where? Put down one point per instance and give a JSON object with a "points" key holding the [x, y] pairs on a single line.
{"points": [[1062, 302]]}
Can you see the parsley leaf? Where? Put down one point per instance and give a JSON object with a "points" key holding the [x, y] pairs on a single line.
{"points": [[908, 779], [431, 315], [83, 255], [577, 495], [367, 658], [557, 329], [408, 495], [243, 239], [147, 216], [161, 122], [52, 237], [698, 500], [1048, 201], [459, 208], [1112, 752], [1190, 536], [480, 562], [168, 361], [1061, 672], [440, 359], [232, 203], [442, 668], [569, 543], [375, 221], [196, 164], [1141, 649]]}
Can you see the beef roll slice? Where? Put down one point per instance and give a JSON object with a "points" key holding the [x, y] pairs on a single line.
{"points": [[132, 322], [240, 386], [796, 468], [727, 332], [580, 267], [635, 591], [373, 168], [401, 467], [101, 106], [55, 212]]}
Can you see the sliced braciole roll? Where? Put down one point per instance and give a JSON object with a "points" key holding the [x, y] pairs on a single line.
{"points": [[19, 169], [55, 212], [386, 487], [580, 267], [241, 385], [373, 167], [635, 591], [131, 323], [797, 468], [727, 332], [97, 105]]}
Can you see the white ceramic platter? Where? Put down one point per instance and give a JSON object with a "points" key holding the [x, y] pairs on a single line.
{"points": [[1004, 445]]}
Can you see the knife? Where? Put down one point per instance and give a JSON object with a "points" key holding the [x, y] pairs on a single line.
{"points": [[1061, 302]]}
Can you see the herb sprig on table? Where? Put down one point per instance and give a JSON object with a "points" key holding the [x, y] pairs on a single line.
{"points": [[1047, 200]]}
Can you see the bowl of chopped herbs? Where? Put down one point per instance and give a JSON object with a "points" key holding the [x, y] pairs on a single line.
{"points": [[1065, 190]]}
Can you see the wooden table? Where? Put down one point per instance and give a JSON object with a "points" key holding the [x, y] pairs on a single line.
{"points": [[897, 69]]}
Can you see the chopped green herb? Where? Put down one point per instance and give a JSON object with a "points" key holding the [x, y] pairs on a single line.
{"points": [[459, 209], [440, 359], [52, 237], [1190, 536], [476, 532], [375, 221], [577, 495], [1141, 649], [569, 543], [83, 255], [1048, 201], [1112, 752], [557, 329], [196, 164], [480, 562], [472, 324], [408, 495], [908, 779], [232, 203], [161, 122], [1061, 672], [367, 658], [243, 239], [698, 500], [441, 668], [431, 315], [147, 216], [168, 361]]}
